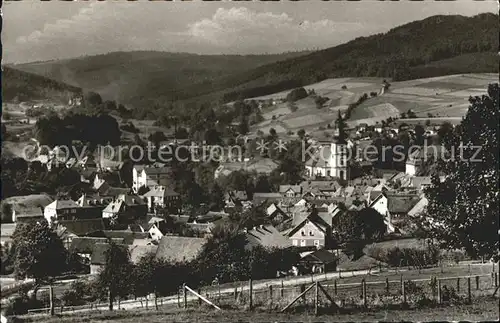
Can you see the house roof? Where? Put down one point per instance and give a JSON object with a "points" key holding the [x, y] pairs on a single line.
{"points": [[419, 207], [321, 255], [139, 251], [176, 248], [86, 244], [316, 220], [63, 204], [28, 204], [157, 170], [267, 236], [114, 207], [297, 189], [401, 203], [321, 185], [155, 219], [161, 191], [128, 236], [419, 181], [82, 227], [98, 256]]}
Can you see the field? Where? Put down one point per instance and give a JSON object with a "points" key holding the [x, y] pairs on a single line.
{"points": [[440, 97]]}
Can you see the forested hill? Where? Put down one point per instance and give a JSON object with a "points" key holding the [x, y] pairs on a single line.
{"points": [[438, 45], [142, 76], [22, 86], [426, 48]]}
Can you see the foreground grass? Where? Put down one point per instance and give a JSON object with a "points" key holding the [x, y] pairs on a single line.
{"points": [[483, 309]]}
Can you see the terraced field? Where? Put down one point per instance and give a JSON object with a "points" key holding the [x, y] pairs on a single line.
{"points": [[442, 97]]}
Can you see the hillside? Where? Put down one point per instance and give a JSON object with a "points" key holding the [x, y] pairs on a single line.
{"points": [[138, 77], [435, 46], [431, 47], [22, 86]]}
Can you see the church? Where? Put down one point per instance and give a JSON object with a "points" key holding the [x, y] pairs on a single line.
{"points": [[330, 159]]}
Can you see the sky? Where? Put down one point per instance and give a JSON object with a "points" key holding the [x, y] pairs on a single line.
{"points": [[39, 31]]}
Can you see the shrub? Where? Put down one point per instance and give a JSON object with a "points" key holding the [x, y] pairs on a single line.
{"points": [[411, 257], [296, 94]]}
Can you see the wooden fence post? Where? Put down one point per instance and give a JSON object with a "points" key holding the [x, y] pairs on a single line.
{"points": [[316, 299], [235, 293], [477, 282], [439, 290], [51, 300], [403, 290], [335, 287], [363, 286], [282, 289], [199, 299], [496, 279], [402, 283], [469, 269], [184, 295], [469, 295], [250, 292], [271, 292], [387, 285], [178, 299], [458, 285], [302, 289], [493, 268], [340, 273]]}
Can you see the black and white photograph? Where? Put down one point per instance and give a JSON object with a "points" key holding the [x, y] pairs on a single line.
{"points": [[249, 161]]}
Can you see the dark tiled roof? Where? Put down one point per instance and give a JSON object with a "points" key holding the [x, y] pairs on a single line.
{"points": [[176, 248], [401, 203], [83, 227], [86, 244], [267, 236], [321, 255], [98, 256]]}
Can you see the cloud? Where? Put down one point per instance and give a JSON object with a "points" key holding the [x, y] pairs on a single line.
{"points": [[243, 30]]}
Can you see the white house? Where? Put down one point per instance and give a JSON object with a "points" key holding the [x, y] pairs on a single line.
{"points": [[150, 176], [61, 210]]}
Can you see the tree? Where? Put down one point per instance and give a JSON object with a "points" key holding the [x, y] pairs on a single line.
{"points": [[445, 133], [301, 133], [146, 276], [419, 135], [296, 94], [463, 209], [341, 126], [272, 133], [92, 99], [366, 224], [115, 276], [39, 252]]}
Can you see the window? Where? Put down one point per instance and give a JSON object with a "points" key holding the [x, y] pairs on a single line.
{"points": [[342, 174], [302, 233], [295, 242], [316, 243], [327, 173], [73, 211], [311, 233], [302, 243]]}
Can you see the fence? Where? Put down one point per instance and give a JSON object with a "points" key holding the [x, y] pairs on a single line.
{"points": [[347, 289], [335, 295]]}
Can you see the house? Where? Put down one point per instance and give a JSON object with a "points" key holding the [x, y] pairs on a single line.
{"points": [[290, 190], [418, 158], [329, 160], [83, 246], [158, 227], [61, 210], [175, 248], [276, 214], [163, 197], [319, 261], [419, 208], [26, 208], [311, 231], [260, 198], [266, 236], [420, 182], [98, 256], [6, 231], [150, 176], [259, 165], [399, 205], [234, 199], [125, 208], [68, 230]]}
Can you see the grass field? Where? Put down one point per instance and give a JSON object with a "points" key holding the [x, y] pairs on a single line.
{"points": [[444, 96]]}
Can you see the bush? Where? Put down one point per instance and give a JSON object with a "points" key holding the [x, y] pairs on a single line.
{"points": [[296, 94], [412, 257]]}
